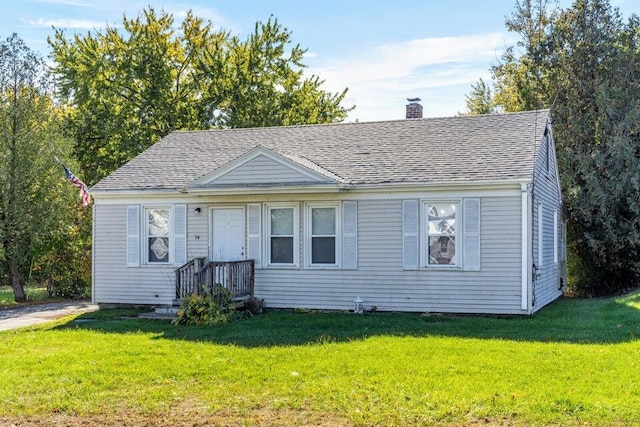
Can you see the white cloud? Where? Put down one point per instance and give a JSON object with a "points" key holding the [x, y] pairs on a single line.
{"points": [[439, 70], [78, 3], [81, 24]]}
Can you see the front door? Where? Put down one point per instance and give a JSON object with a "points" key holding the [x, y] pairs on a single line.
{"points": [[227, 234]]}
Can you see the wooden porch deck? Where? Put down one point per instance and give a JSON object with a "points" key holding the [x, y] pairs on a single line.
{"points": [[200, 277]]}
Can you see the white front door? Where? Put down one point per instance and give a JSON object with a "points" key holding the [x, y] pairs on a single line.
{"points": [[227, 234]]}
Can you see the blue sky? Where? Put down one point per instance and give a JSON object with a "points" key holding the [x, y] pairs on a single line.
{"points": [[383, 51]]}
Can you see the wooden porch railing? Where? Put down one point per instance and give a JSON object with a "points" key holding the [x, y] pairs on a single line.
{"points": [[185, 283], [236, 276]]}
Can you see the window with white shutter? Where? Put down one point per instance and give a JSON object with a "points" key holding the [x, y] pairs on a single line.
{"points": [[441, 234]]}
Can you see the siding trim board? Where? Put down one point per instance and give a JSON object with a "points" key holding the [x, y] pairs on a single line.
{"points": [[525, 263]]}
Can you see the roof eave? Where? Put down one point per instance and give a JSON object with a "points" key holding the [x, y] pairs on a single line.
{"points": [[312, 188]]}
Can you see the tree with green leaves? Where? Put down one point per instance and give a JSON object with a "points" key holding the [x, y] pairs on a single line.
{"points": [[520, 78], [264, 84], [33, 192], [595, 68], [127, 89], [479, 100], [584, 63]]}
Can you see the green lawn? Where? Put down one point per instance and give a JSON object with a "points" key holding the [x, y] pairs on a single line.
{"points": [[32, 293], [575, 363]]}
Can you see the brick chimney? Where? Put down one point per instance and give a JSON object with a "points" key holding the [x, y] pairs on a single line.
{"points": [[414, 110]]}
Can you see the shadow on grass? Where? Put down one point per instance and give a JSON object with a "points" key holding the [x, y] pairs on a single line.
{"points": [[568, 320]]}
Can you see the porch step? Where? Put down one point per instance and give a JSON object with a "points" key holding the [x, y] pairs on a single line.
{"points": [[161, 313]]}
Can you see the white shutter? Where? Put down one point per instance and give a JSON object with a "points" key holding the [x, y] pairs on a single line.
{"points": [[555, 236], [180, 234], [350, 235], [133, 236], [410, 234], [254, 233], [540, 236], [471, 239]]}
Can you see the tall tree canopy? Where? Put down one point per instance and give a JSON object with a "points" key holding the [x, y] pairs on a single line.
{"points": [[129, 88], [35, 202], [584, 63], [595, 70]]}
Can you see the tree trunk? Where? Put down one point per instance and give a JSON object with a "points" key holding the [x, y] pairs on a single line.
{"points": [[16, 283]]}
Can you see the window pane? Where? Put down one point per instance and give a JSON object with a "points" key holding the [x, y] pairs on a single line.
{"points": [[282, 250], [282, 222], [323, 250], [442, 219], [158, 222], [323, 221], [442, 250], [158, 249]]}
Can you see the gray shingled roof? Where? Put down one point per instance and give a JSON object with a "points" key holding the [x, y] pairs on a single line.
{"points": [[431, 150]]}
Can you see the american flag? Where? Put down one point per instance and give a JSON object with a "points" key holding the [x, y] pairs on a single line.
{"points": [[75, 181]]}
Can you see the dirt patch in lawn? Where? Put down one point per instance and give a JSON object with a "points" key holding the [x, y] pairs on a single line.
{"points": [[189, 418]]}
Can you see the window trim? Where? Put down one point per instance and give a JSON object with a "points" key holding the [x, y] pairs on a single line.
{"points": [[423, 219], [337, 206], [146, 236], [267, 233]]}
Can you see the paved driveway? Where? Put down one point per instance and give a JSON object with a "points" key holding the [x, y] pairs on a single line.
{"points": [[19, 317]]}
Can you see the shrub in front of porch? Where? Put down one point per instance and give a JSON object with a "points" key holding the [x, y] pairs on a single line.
{"points": [[215, 308]]}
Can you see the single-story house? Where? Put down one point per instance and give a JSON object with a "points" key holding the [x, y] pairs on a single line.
{"points": [[455, 214]]}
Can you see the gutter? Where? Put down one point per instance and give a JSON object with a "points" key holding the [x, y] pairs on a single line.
{"points": [[306, 188]]}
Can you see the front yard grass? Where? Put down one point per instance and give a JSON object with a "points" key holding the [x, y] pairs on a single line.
{"points": [[32, 294], [576, 362]]}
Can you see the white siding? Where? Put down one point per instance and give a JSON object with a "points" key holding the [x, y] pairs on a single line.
{"points": [[382, 282], [262, 170], [197, 231], [379, 277], [546, 191], [114, 281]]}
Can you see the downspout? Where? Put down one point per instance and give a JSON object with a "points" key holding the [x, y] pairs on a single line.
{"points": [[533, 269]]}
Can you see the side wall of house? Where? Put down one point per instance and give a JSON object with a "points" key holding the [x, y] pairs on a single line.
{"points": [[379, 279], [549, 246]]}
